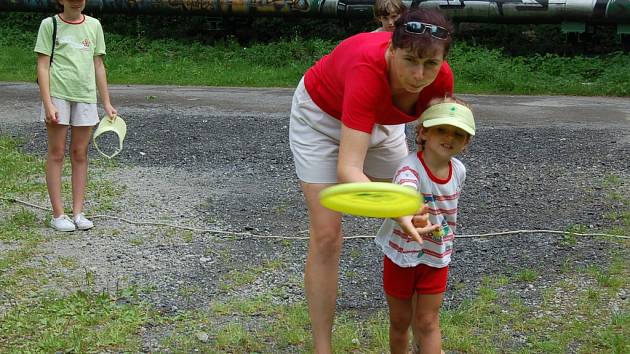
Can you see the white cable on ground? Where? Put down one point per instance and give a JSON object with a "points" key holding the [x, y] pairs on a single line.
{"points": [[249, 234]]}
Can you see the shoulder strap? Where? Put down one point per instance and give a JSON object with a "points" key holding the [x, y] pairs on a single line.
{"points": [[54, 38]]}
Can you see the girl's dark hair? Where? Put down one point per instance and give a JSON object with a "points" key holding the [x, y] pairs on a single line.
{"points": [[422, 44]]}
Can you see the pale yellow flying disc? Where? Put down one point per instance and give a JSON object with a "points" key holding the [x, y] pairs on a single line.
{"points": [[371, 199], [118, 126]]}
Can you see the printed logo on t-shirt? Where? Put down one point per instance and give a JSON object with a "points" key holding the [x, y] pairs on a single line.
{"points": [[69, 40], [441, 232]]}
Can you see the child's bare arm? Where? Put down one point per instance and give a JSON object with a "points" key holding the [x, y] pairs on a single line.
{"points": [[101, 84], [43, 79]]}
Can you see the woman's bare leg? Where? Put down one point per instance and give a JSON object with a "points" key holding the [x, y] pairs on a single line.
{"points": [[322, 267]]}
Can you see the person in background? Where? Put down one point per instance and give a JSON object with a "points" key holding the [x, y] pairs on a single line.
{"points": [[67, 86], [347, 124], [386, 12]]}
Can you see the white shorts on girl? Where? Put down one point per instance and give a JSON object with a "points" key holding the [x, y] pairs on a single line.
{"points": [[76, 114], [314, 138]]}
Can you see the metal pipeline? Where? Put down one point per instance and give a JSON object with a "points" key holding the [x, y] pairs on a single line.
{"points": [[491, 11]]}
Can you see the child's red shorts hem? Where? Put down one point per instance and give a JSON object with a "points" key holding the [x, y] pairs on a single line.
{"points": [[401, 282]]}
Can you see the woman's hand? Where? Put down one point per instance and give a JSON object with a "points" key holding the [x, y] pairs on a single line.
{"points": [[415, 225]]}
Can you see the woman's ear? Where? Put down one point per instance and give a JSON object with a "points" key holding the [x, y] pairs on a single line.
{"points": [[390, 48]]}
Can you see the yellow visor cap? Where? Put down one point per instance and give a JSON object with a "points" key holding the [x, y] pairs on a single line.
{"points": [[449, 113], [117, 126]]}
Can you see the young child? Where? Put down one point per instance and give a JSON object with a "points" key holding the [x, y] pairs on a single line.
{"points": [[67, 86], [386, 12], [421, 269]]}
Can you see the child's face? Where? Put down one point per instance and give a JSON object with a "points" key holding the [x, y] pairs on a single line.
{"points": [[445, 141], [77, 5], [387, 22]]}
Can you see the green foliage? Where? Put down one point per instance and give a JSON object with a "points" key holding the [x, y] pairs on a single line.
{"points": [[530, 39], [481, 70], [141, 51]]}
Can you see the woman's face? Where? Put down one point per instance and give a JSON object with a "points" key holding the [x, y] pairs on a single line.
{"points": [[411, 72]]}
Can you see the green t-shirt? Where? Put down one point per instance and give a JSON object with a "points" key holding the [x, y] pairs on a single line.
{"points": [[72, 75]]}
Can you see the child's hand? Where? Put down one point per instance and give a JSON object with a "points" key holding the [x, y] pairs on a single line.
{"points": [[415, 225], [51, 113], [420, 220], [111, 112]]}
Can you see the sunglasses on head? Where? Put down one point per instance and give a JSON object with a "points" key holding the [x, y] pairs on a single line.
{"points": [[437, 32]]}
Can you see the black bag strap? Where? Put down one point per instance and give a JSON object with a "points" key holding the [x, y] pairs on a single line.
{"points": [[54, 38]]}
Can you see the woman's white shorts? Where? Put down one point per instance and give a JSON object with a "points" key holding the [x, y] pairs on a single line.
{"points": [[76, 114], [314, 138]]}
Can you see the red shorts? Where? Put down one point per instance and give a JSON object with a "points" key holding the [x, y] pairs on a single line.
{"points": [[401, 282]]}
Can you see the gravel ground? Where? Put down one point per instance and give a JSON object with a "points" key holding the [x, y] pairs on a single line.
{"points": [[231, 170]]}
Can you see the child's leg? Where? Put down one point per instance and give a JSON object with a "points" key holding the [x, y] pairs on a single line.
{"points": [[400, 313], [426, 322], [54, 164], [79, 158]]}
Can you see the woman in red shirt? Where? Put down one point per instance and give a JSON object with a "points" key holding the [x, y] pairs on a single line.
{"points": [[347, 125]]}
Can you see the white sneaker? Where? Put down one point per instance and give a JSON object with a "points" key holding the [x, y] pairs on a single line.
{"points": [[82, 222], [62, 223]]}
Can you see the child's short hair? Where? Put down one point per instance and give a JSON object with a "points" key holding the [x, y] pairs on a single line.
{"points": [[438, 100], [388, 7]]}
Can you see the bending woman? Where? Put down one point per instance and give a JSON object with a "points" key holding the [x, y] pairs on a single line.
{"points": [[347, 125]]}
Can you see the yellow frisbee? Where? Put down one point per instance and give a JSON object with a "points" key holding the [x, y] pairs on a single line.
{"points": [[372, 199]]}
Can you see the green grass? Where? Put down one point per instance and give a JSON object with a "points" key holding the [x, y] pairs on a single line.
{"points": [[277, 328], [132, 60], [526, 275], [42, 321], [77, 323], [19, 173], [582, 319], [20, 226]]}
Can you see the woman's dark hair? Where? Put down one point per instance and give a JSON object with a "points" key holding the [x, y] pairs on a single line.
{"points": [[422, 43]]}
